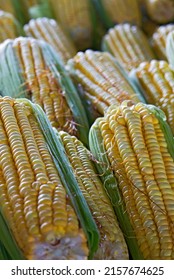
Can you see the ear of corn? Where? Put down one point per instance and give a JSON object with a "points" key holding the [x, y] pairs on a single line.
{"points": [[128, 44], [39, 197], [156, 82], [49, 31], [118, 11], [103, 80], [10, 28], [159, 38], [160, 11], [76, 17], [110, 183], [112, 243], [140, 157], [34, 67]]}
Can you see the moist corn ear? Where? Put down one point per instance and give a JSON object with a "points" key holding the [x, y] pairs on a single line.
{"points": [[77, 18], [33, 193], [156, 81], [128, 44], [110, 184], [103, 80], [112, 244], [49, 31], [159, 38], [137, 147], [117, 11], [160, 11], [10, 28], [38, 70]]}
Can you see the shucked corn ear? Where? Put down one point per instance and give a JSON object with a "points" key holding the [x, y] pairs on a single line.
{"points": [[140, 150], [103, 80], [34, 67], [49, 31], [40, 200], [112, 244], [10, 28], [118, 11], [76, 17], [156, 79], [159, 38], [161, 11], [128, 44]]}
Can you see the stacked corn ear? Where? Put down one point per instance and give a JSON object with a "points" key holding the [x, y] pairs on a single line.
{"points": [[118, 11], [128, 44], [159, 38], [77, 18], [103, 80], [156, 80], [139, 147], [160, 11], [42, 210], [49, 31], [112, 244], [32, 66], [10, 27]]}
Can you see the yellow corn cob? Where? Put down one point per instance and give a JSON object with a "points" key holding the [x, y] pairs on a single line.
{"points": [[42, 85], [103, 82], [32, 197], [128, 44], [122, 11], [138, 153], [74, 16], [112, 243], [159, 40], [157, 80], [8, 28], [48, 30], [6, 5], [161, 11]]}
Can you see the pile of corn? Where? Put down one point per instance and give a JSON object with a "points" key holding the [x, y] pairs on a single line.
{"points": [[86, 130]]}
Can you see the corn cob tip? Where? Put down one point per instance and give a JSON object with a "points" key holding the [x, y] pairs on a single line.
{"points": [[66, 248]]}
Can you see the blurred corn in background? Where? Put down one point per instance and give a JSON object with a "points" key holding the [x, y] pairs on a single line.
{"points": [[10, 27], [49, 31], [128, 44]]}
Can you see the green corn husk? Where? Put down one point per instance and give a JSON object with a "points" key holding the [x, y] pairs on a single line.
{"points": [[112, 189], [13, 81]]}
